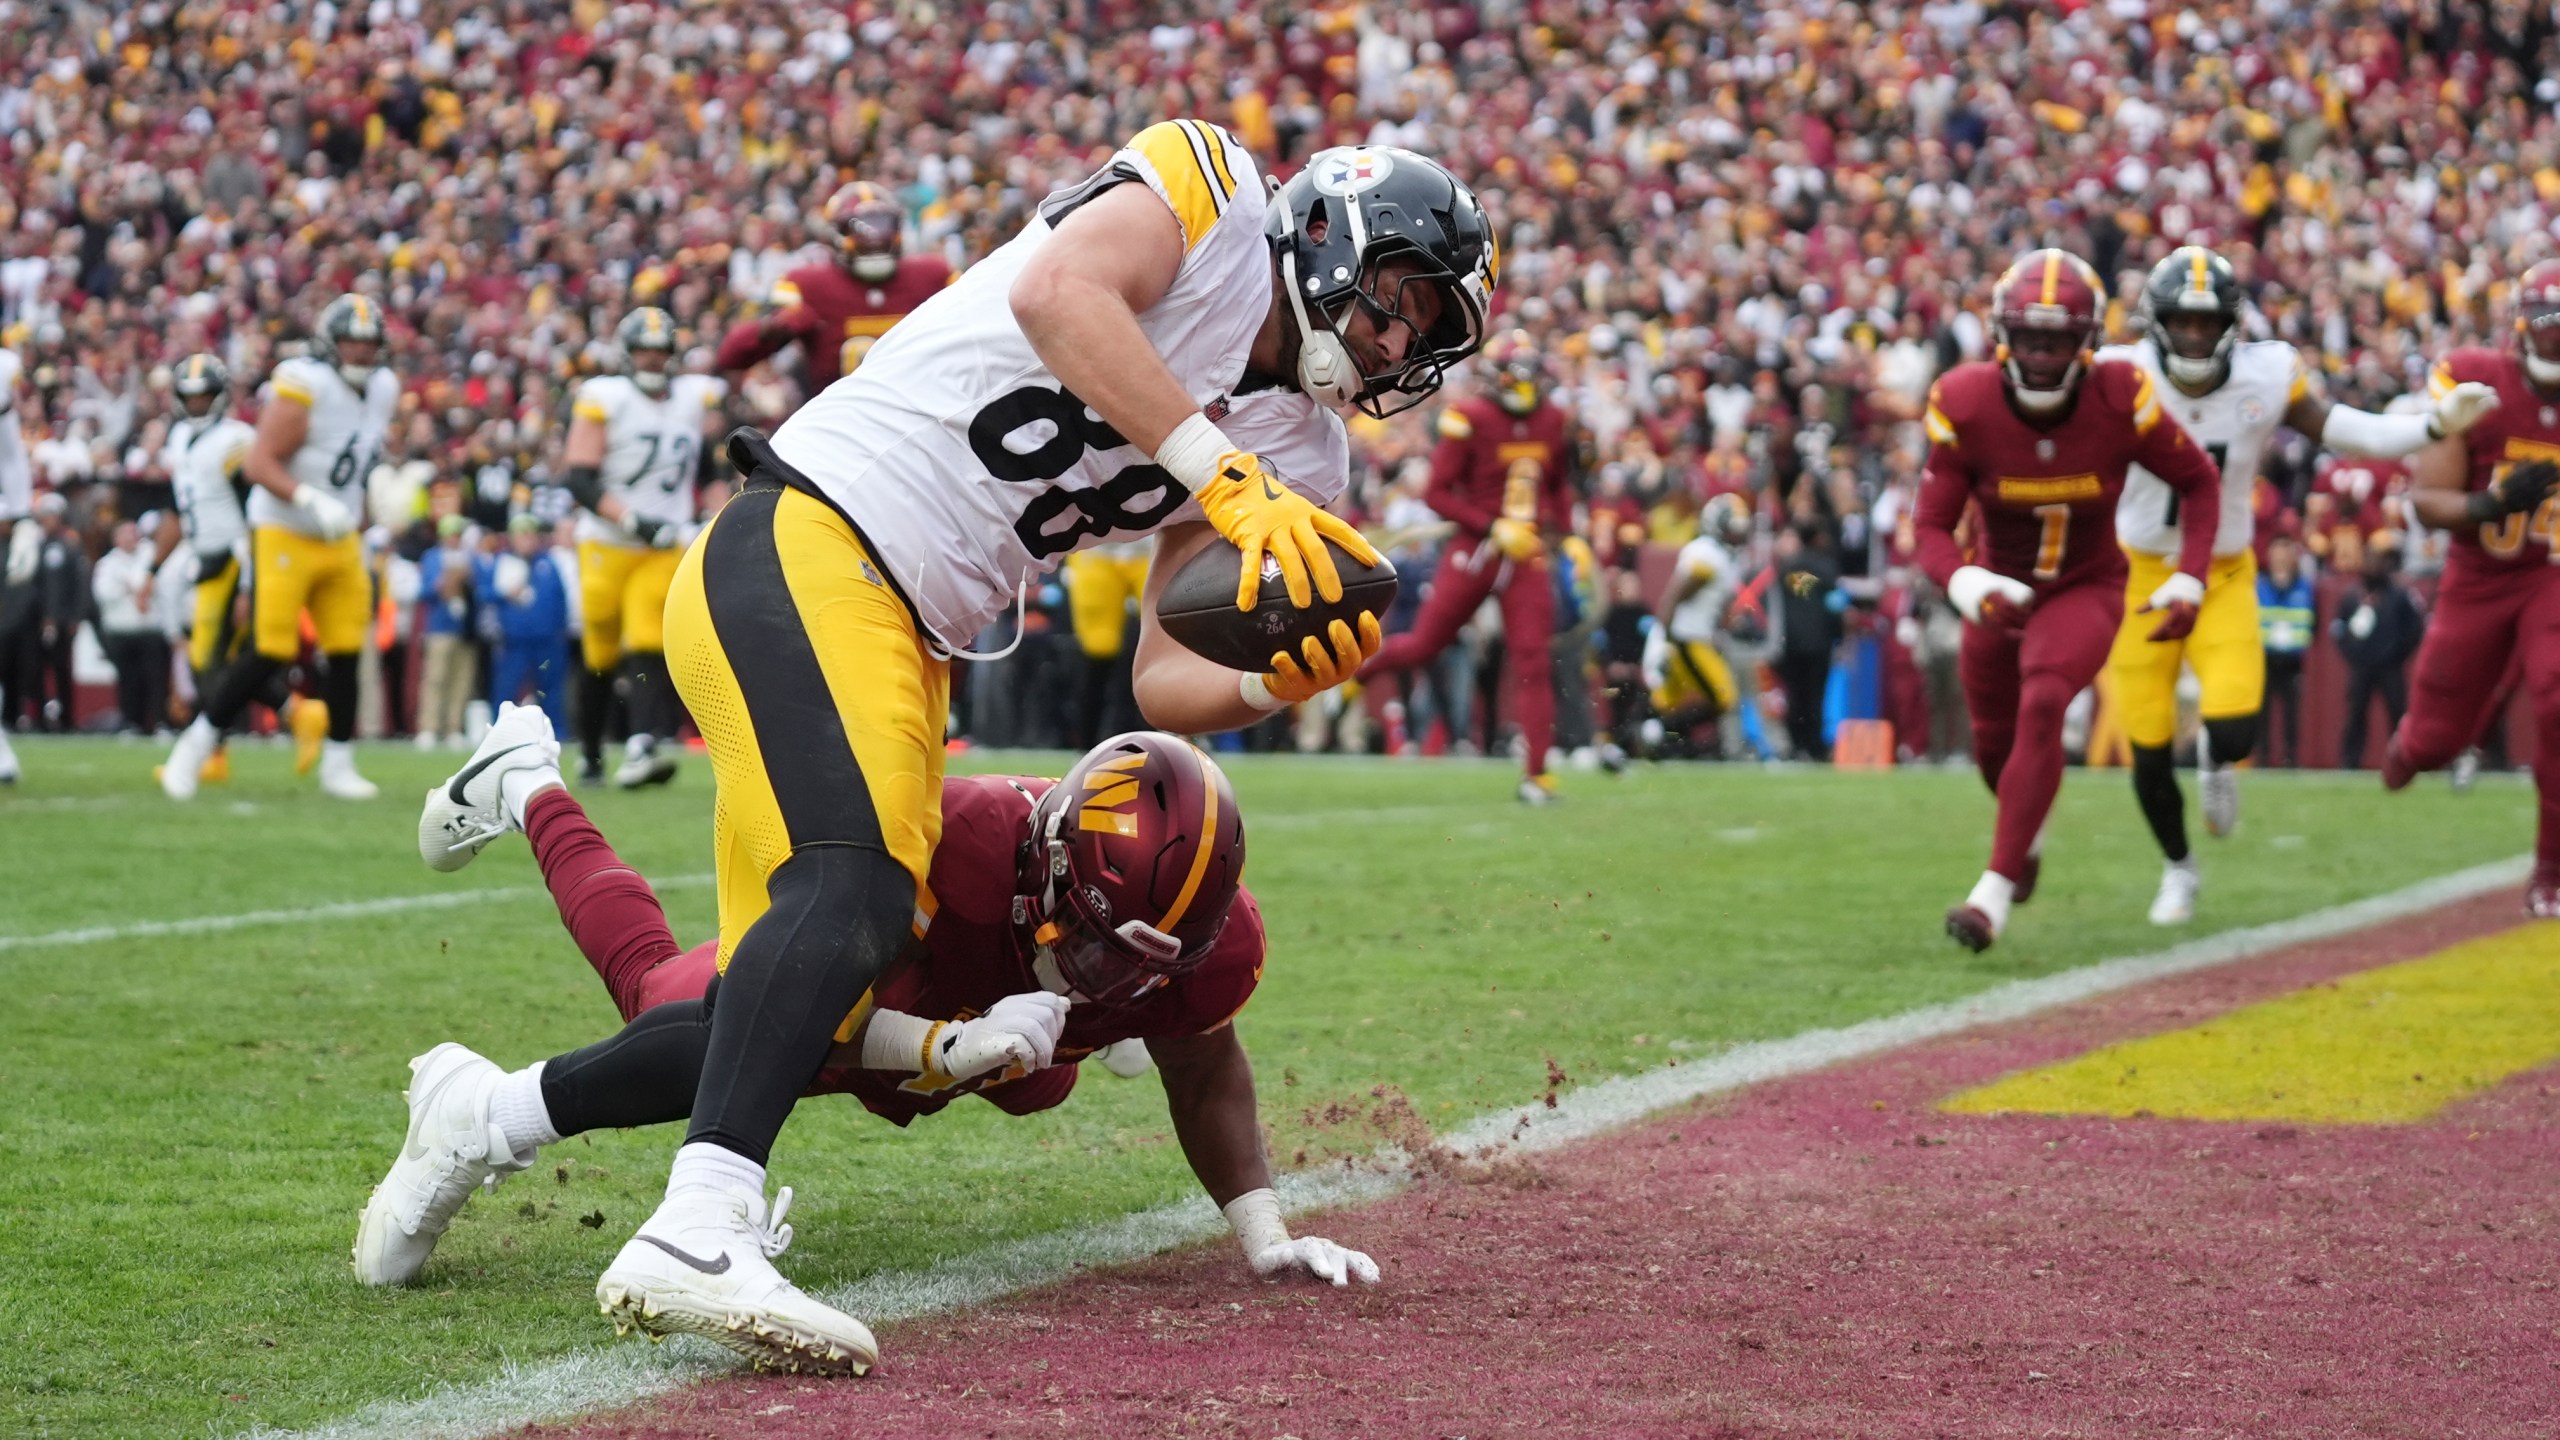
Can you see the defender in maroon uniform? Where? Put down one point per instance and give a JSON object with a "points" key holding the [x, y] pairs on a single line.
{"points": [[2037, 444], [1502, 474], [837, 308], [1061, 918], [2492, 486]]}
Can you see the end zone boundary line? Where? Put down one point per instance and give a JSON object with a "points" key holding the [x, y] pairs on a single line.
{"points": [[611, 1376]]}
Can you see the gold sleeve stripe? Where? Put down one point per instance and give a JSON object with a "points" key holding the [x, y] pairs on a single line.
{"points": [[2146, 406], [234, 458], [590, 410], [785, 294], [1214, 140], [286, 390], [1454, 426], [2440, 381], [1941, 429], [1182, 168], [2301, 385]]}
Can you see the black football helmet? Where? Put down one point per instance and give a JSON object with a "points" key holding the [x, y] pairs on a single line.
{"points": [[201, 376], [647, 329], [1353, 211], [2193, 281], [350, 319]]}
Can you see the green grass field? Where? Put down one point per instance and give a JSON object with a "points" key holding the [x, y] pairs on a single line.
{"points": [[193, 1120]]}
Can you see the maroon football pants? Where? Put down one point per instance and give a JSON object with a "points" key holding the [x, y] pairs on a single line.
{"points": [[2480, 624], [2017, 683], [1470, 569]]}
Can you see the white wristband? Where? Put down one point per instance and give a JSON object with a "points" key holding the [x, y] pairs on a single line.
{"points": [[1257, 694], [894, 1040], [1255, 1217], [2383, 437], [1191, 453]]}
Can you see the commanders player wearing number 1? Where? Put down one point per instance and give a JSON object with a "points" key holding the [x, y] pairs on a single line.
{"points": [[325, 418], [634, 443], [2038, 442], [1158, 352], [2499, 601]]}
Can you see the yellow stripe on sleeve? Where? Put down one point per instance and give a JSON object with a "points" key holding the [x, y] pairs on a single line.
{"points": [[2146, 406], [1214, 140], [2440, 381], [1182, 169], [590, 410], [284, 389], [785, 294], [1942, 431], [2301, 385], [234, 459]]}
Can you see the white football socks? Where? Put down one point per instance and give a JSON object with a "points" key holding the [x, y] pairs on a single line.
{"points": [[517, 1110], [517, 788], [711, 1167], [1991, 895]]}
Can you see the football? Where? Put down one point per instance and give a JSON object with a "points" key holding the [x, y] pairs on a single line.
{"points": [[1198, 607]]}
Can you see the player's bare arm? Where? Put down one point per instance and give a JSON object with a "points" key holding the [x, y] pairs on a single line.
{"points": [[581, 459], [2440, 493], [1208, 1090]]}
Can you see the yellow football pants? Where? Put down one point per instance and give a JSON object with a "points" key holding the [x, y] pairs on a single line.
{"points": [[1100, 588], [2225, 649], [294, 573], [1695, 672], [823, 707], [622, 591], [215, 640]]}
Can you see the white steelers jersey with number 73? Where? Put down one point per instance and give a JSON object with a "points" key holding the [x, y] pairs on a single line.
{"points": [[968, 464], [2234, 424], [338, 451], [650, 447]]}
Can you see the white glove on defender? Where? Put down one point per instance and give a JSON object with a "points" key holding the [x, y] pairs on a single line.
{"points": [[2463, 405], [329, 515], [1268, 1249], [1017, 1030], [2180, 588], [1971, 585]]}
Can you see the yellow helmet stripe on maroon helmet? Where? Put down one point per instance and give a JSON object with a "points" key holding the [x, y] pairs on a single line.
{"points": [[2052, 277], [1199, 857]]}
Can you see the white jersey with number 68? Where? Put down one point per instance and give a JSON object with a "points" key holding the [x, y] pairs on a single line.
{"points": [[2235, 424], [650, 448], [337, 454]]}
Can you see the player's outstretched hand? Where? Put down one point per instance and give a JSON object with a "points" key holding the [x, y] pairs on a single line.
{"points": [[1986, 597], [1290, 683], [2176, 600], [1248, 505], [1319, 1257], [1017, 1030], [2526, 485], [2463, 405]]}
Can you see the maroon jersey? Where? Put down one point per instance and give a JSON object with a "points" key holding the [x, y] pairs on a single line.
{"points": [[835, 316], [1491, 464], [2047, 496], [2525, 426]]}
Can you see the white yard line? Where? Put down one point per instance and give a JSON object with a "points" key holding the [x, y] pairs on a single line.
{"points": [[303, 915], [612, 1376]]}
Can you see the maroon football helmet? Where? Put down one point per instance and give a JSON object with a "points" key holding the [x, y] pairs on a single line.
{"points": [[2044, 314], [1131, 866], [1514, 375], [2537, 306], [865, 224]]}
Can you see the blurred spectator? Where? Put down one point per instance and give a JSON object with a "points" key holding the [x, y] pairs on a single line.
{"points": [[521, 589], [129, 629], [446, 583], [2288, 618], [2377, 629], [62, 602]]}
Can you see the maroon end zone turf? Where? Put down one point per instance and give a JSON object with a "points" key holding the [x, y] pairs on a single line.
{"points": [[1829, 1256]]}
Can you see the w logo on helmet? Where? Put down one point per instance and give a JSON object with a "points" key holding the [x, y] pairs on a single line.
{"points": [[1111, 796]]}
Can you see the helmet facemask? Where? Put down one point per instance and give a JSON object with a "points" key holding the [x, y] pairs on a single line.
{"points": [[2541, 326], [1081, 952], [2043, 361], [2195, 345]]}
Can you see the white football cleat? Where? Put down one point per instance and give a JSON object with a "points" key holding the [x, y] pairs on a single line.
{"points": [[703, 1264], [196, 744], [2466, 769], [454, 1147], [469, 810], [642, 764], [8, 760], [2176, 902], [338, 775], [2221, 787]]}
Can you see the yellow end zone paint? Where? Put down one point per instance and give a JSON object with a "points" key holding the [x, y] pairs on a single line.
{"points": [[2384, 1046]]}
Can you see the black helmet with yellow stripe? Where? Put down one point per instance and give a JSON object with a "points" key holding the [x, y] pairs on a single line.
{"points": [[2191, 306], [648, 330], [201, 376], [350, 320]]}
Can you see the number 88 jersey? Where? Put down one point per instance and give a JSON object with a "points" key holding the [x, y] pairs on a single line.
{"points": [[969, 467], [339, 450], [651, 448]]}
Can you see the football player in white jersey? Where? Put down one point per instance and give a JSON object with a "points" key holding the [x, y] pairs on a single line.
{"points": [[1684, 660], [634, 443], [318, 436], [206, 456], [17, 504], [1159, 352], [2231, 395]]}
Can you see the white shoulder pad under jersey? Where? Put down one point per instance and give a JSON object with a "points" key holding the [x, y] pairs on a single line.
{"points": [[971, 468], [203, 458], [345, 439], [2234, 424], [17, 472], [651, 447]]}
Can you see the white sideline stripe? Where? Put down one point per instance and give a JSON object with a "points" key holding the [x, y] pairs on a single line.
{"points": [[613, 1376], [302, 915]]}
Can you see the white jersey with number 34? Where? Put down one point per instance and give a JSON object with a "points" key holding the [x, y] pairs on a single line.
{"points": [[969, 465], [345, 438], [2235, 424], [650, 447]]}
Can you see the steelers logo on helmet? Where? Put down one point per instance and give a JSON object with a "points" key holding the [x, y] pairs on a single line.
{"points": [[350, 321], [2191, 308], [2044, 314], [1129, 869], [648, 340], [1389, 265], [2537, 307]]}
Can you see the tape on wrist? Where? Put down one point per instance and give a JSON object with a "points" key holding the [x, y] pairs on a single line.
{"points": [[1191, 453], [1257, 694], [1255, 1217], [892, 1040]]}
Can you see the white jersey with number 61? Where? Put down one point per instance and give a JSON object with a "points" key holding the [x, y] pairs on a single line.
{"points": [[337, 454], [2235, 424]]}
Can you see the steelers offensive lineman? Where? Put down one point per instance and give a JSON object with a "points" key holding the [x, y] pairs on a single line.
{"points": [[318, 436], [1160, 351], [17, 505], [206, 458], [635, 443], [2231, 395]]}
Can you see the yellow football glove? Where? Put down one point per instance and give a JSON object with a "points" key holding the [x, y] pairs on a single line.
{"points": [[1290, 684], [1516, 538], [1247, 504]]}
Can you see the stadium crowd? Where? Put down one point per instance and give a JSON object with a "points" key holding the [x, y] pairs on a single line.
{"points": [[1743, 239]]}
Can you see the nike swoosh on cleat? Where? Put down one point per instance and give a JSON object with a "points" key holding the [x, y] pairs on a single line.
{"points": [[472, 770], [707, 1267]]}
